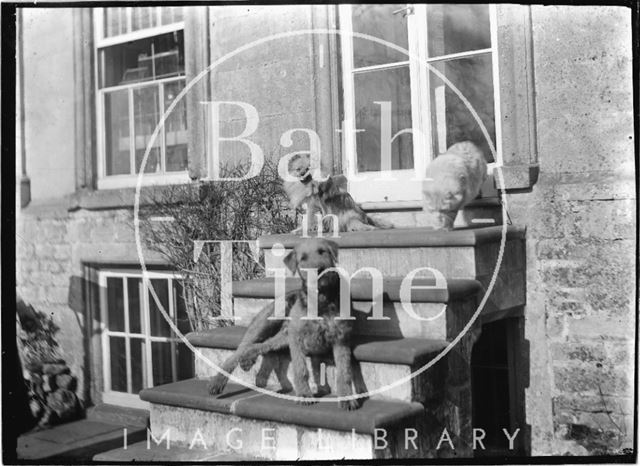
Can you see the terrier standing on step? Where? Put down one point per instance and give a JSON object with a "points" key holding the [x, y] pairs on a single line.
{"points": [[304, 337]]}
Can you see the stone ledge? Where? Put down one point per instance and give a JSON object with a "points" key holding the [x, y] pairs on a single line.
{"points": [[77, 441], [407, 237], [361, 289], [366, 348], [139, 453], [247, 403]]}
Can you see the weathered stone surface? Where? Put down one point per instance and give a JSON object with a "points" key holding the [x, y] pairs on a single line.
{"points": [[269, 440]]}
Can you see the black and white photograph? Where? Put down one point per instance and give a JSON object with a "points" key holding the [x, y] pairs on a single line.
{"points": [[326, 233]]}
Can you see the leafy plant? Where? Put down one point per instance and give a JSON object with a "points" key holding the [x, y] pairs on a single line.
{"points": [[36, 335]]}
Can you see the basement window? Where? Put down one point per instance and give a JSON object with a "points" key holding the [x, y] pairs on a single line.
{"points": [[139, 347]]}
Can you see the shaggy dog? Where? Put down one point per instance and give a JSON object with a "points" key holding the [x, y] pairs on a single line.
{"points": [[304, 337], [331, 199]]}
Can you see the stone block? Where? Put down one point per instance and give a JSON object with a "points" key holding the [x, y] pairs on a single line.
{"points": [[591, 379], [263, 439]]}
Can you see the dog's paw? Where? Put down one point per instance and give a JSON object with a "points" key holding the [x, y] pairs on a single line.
{"points": [[217, 384], [350, 405], [305, 398], [247, 360]]}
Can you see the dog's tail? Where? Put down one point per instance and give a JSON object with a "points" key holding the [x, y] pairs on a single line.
{"points": [[379, 223]]}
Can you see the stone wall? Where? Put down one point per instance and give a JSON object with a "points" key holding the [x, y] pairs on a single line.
{"points": [[49, 99], [52, 246], [580, 215]]}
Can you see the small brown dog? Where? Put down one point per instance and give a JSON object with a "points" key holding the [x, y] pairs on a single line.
{"points": [[301, 190], [329, 197], [304, 337]]}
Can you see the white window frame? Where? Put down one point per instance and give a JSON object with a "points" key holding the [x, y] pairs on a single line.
{"points": [[105, 181], [130, 399], [406, 188]]}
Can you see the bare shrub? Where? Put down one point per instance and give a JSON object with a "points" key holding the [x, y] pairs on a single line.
{"points": [[218, 210]]}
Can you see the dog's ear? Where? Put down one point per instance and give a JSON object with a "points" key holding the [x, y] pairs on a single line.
{"points": [[333, 250], [291, 261]]}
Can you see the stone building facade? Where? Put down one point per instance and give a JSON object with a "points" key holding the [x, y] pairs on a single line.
{"points": [[570, 180]]}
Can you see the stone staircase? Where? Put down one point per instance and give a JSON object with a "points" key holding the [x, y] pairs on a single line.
{"points": [[416, 371]]}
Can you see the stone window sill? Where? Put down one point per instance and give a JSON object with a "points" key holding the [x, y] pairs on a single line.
{"points": [[125, 197]]}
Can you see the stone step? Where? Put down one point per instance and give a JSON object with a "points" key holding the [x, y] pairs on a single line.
{"points": [[151, 452], [380, 364], [470, 253], [440, 309], [257, 425], [405, 214]]}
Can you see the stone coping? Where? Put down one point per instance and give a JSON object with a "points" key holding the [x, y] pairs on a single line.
{"points": [[140, 453], [407, 237], [366, 348], [77, 441], [361, 289], [243, 402]]}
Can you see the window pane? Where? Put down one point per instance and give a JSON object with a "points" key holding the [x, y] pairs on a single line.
{"points": [[185, 363], [182, 318], [115, 304], [116, 117], [380, 22], [451, 119], [146, 114], [175, 128], [143, 18], [118, 364], [383, 86], [137, 364], [133, 285], [161, 362], [115, 21], [143, 60], [454, 28], [171, 14], [159, 326]]}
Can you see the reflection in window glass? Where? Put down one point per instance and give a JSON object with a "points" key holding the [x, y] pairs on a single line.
{"points": [[455, 28], [161, 362], [118, 356], [451, 119], [146, 114], [143, 60], [379, 21], [172, 14], [391, 85], [143, 18], [175, 127], [133, 286], [123, 20], [137, 364], [182, 318], [185, 361], [115, 21], [115, 304], [116, 115], [159, 325]]}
